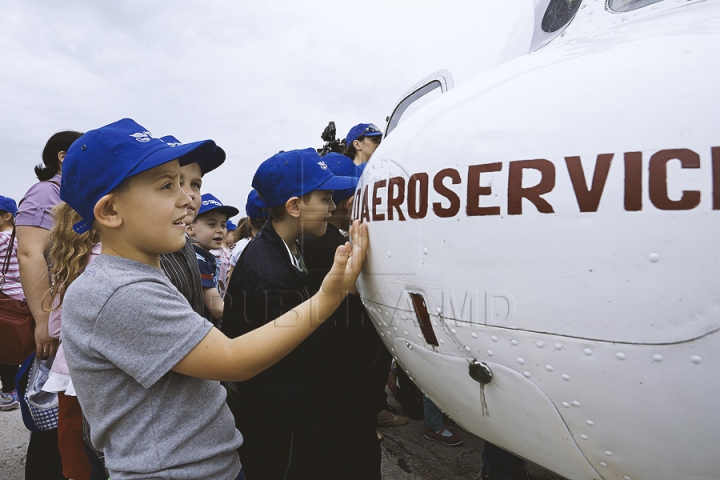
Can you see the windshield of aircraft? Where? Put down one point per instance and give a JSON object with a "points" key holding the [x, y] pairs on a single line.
{"points": [[559, 13], [628, 5]]}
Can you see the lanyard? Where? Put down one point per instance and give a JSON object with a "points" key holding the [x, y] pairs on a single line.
{"points": [[293, 258]]}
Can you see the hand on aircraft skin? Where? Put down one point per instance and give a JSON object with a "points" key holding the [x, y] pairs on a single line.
{"points": [[348, 263]]}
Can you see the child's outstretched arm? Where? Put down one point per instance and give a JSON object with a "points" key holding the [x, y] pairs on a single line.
{"points": [[217, 357]]}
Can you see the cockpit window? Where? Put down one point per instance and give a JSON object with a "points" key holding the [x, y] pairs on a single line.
{"points": [[628, 5], [559, 13]]}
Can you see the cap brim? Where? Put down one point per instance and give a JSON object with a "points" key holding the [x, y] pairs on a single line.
{"points": [[210, 163], [225, 209], [186, 154], [338, 183]]}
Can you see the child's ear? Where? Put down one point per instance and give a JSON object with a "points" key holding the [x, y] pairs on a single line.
{"points": [[347, 203], [105, 212], [292, 207], [190, 230]]}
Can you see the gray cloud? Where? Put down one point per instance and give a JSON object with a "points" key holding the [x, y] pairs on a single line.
{"points": [[257, 77]]}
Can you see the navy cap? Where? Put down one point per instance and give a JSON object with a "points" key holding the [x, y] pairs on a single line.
{"points": [[256, 206], [230, 226], [8, 204], [362, 130], [211, 202], [293, 174], [207, 164], [343, 166], [101, 159]]}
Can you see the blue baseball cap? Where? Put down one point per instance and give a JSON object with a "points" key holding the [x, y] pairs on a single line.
{"points": [[362, 130], [343, 166], [208, 164], [230, 226], [101, 159], [8, 204], [256, 206], [211, 202], [293, 174]]}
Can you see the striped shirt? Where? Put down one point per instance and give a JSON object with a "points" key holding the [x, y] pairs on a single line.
{"points": [[181, 268], [12, 287]]}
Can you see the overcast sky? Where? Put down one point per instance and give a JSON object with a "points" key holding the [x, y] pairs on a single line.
{"points": [[256, 77]]}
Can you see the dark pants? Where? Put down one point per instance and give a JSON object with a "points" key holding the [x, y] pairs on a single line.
{"points": [[271, 453], [349, 450], [43, 457], [7, 377], [498, 464]]}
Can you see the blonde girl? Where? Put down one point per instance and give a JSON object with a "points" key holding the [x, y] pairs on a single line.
{"points": [[69, 253]]}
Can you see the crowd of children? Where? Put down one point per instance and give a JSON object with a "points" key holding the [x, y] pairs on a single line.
{"points": [[179, 357]]}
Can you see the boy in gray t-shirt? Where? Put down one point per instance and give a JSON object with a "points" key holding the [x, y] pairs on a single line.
{"points": [[138, 354]]}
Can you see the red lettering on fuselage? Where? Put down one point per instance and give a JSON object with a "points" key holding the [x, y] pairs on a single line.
{"points": [[410, 197]]}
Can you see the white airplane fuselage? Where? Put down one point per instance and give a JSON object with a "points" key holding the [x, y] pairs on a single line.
{"points": [[559, 215]]}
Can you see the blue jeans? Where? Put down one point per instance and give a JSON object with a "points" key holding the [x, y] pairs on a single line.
{"points": [[241, 476], [433, 415]]}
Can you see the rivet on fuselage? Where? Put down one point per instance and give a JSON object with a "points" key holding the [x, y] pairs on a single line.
{"points": [[494, 338], [514, 343], [549, 368], [620, 356], [657, 357], [558, 346], [521, 361], [584, 437], [566, 404], [590, 423], [490, 353], [474, 335], [527, 374], [696, 359], [566, 377], [588, 352], [540, 344], [576, 403]]}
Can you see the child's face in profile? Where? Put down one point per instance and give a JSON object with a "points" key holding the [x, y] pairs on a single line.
{"points": [[315, 213], [191, 181], [209, 230], [152, 206]]}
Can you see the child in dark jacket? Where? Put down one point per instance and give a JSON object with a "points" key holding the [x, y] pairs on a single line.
{"points": [[274, 409]]}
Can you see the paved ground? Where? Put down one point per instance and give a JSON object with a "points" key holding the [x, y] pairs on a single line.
{"points": [[406, 454], [13, 445]]}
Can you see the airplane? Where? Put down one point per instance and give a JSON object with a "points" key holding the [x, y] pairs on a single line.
{"points": [[545, 240]]}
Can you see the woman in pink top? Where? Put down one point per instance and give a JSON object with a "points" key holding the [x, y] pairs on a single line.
{"points": [[33, 223]]}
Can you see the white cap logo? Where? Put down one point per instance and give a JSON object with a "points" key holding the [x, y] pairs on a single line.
{"points": [[323, 165], [143, 136]]}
